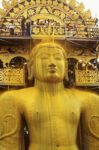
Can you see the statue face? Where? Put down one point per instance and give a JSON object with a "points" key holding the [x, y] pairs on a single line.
{"points": [[49, 64]]}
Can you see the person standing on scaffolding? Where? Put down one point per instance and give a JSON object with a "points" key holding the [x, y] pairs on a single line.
{"points": [[28, 24], [23, 26], [69, 30], [11, 27]]}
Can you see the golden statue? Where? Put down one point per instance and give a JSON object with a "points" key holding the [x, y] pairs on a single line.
{"points": [[51, 111]]}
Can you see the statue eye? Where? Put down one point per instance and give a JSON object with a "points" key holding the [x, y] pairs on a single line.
{"points": [[44, 57], [58, 57]]}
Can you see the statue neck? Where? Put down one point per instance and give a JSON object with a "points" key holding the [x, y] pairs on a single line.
{"points": [[48, 87]]}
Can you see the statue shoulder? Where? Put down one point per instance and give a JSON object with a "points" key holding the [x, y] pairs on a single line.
{"points": [[80, 96], [8, 99], [77, 93], [17, 94], [88, 98], [92, 97], [6, 96], [18, 98]]}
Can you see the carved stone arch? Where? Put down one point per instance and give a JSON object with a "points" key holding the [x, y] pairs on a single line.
{"points": [[60, 8], [71, 69], [67, 7], [17, 62], [72, 61], [1, 63], [92, 64], [92, 59]]}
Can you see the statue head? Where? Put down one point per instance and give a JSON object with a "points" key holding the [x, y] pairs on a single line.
{"points": [[47, 62]]}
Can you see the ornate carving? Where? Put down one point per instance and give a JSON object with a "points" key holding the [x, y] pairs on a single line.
{"points": [[13, 2], [8, 126], [11, 76], [80, 8], [59, 13], [31, 12], [55, 3], [16, 10], [66, 8], [26, 3], [72, 3], [1, 11], [21, 7], [94, 125], [44, 11], [86, 15], [1, 128], [87, 77], [6, 4]]}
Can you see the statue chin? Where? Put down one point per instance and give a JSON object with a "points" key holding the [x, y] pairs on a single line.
{"points": [[54, 80], [51, 79]]}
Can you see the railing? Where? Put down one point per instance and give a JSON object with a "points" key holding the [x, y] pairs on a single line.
{"points": [[37, 30], [12, 76], [87, 77], [16, 77], [62, 31]]}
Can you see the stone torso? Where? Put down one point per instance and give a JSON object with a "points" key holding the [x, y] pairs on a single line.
{"points": [[52, 120]]}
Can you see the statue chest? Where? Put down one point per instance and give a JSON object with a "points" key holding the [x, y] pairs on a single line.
{"points": [[58, 110], [52, 119]]}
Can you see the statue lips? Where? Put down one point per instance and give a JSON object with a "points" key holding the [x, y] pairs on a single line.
{"points": [[52, 68]]}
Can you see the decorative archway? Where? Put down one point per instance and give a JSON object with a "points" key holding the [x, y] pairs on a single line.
{"points": [[93, 64], [17, 62], [71, 69], [60, 11], [1, 64]]}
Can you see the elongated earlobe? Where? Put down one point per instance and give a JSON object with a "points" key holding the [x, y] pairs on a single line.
{"points": [[66, 80], [30, 71], [66, 71]]}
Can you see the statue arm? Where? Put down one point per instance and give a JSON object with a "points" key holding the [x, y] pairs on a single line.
{"points": [[10, 122], [7, 115], [89, 122]]}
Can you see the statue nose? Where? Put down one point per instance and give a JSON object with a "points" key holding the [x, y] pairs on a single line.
{"points": [[52, 65]]}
